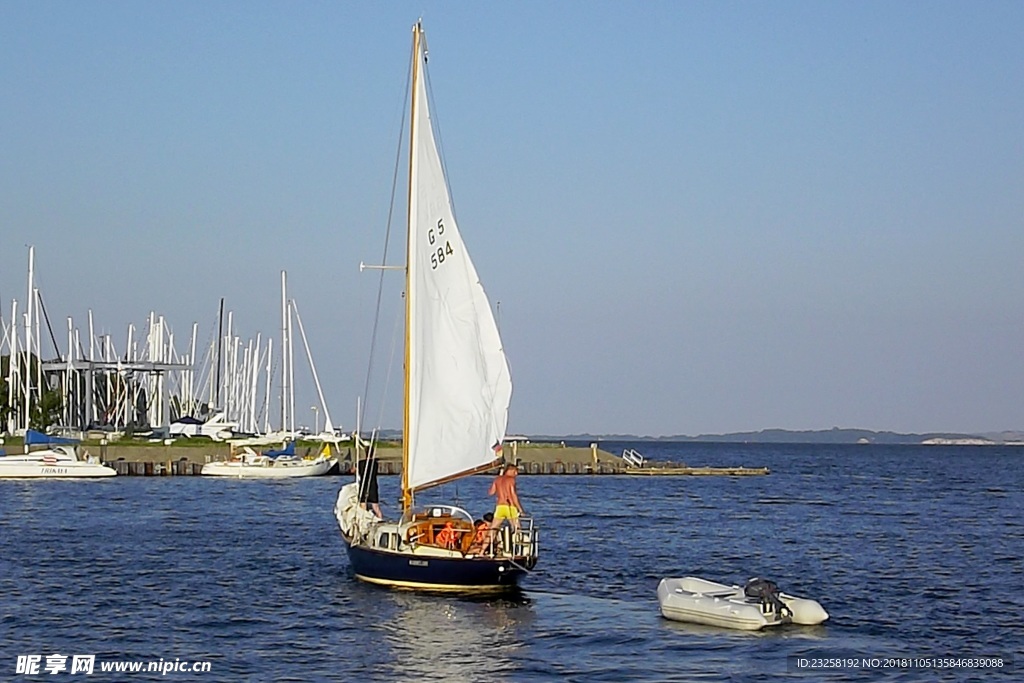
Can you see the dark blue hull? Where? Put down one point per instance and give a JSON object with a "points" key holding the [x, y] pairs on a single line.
{"points": [[405, 570]]}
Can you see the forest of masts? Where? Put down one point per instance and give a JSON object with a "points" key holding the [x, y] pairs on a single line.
{"points": [[146, 384]]}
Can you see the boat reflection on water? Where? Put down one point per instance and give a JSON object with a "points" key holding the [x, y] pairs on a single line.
{"points": [[446, 637]]}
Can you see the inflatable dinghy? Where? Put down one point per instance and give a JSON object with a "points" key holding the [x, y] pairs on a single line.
{"points": [[751, 607]]}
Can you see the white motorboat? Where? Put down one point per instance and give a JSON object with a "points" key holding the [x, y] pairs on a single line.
{"points": [[749, 608], [55, 462], [248, 464]]}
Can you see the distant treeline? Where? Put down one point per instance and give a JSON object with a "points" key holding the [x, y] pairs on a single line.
{"points": [[834, 435]]}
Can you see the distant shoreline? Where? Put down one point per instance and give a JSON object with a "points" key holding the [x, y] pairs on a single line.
{"points": [[558, 448], [821, 436]]}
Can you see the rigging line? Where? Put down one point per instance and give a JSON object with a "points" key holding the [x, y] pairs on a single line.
{"points": [[46, 317], [6, 337], [390, 366], [312, 368], [205, 371], [210, 340], [262, 404], [387, 241], [513, 562], [5, 342], [436, 127], [81, 349]]}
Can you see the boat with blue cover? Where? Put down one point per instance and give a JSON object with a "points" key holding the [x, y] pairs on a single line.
{"points": [[57, 459]]}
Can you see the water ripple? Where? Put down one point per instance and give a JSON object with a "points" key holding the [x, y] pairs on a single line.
{"points": [[907, 548]]}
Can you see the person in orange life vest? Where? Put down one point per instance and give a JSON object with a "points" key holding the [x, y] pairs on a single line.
{"points": [[482, 537], [447, 536]]}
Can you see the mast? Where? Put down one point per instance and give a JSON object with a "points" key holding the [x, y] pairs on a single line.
{"points": [[13, 369], [68, 374], [285, 346], [220, 346], [254, 375], [417, 32], [28, 334], [291, 374], [128, 409], [229, 368], [189, 394], [266, 396], [37, 338]]}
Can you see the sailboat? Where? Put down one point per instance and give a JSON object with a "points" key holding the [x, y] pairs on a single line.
{"points": [[457, 391], [283, 463]]}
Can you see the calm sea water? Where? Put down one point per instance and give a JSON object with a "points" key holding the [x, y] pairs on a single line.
{"points": [[914, 551]]}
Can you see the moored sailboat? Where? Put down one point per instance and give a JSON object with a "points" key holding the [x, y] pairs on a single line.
{"points": [[457, 392], [283, 463]]}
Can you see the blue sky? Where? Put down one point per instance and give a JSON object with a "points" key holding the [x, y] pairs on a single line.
{"points": [[699, 217]]}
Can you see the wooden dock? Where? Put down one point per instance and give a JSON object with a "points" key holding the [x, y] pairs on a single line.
{"points": [[150, 468]]}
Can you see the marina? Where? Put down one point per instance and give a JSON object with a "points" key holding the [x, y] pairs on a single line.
{"points": [[150, 385]]}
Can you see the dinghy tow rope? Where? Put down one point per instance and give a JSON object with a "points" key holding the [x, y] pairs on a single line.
{"points": [[519, 566]]}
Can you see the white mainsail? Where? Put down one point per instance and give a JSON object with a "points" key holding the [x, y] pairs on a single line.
{"points": [[458, 378]]}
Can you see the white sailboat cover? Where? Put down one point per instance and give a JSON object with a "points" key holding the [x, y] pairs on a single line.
{"points": [[459, 382]]}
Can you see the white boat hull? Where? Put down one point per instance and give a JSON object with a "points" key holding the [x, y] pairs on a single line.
{"points": [[699, 601], [59, 462], [269, 470]]}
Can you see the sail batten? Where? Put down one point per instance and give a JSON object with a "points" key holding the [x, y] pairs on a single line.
{"points": [[458, 384]]}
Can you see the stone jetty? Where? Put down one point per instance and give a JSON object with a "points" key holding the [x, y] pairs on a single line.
{"points": [[558, 459]]}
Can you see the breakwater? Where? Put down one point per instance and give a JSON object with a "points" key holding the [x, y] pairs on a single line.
{"points": [[185, 468], [177, 460]]}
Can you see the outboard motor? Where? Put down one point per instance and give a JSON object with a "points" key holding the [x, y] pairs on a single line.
{"points": [[767, 593]]}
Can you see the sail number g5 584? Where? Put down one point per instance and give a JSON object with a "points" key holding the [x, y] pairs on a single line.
{"points": [[442, 251]]}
